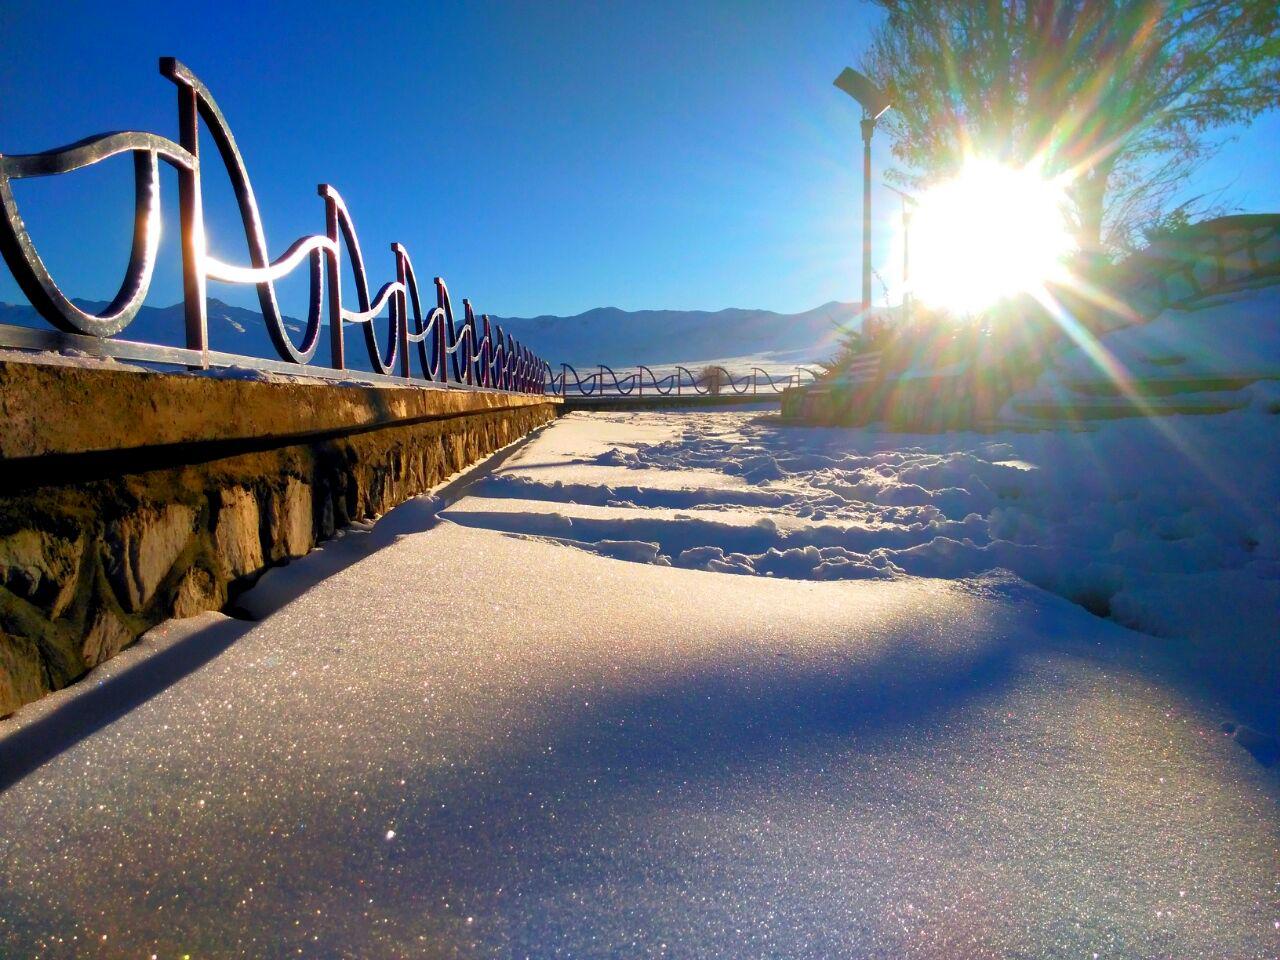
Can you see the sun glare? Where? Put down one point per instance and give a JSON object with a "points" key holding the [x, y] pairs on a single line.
{"points": [[992, 232]]}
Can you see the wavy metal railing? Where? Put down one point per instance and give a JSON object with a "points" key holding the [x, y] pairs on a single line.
{"points": [[711, 380], [476, 355]]}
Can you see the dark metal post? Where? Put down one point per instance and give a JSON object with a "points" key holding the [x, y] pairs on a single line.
{"points": [[469, 355], [333, 266], [401, 303], [191, 217]]}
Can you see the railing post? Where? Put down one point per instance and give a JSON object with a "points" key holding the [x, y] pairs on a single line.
{"points": [[333, 261], [192, 224], [468, 353], [402, 299]]}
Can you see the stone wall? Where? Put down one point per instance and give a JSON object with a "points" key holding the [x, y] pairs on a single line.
{"points": [[968, 400], [1199, 260], [128, 498]]}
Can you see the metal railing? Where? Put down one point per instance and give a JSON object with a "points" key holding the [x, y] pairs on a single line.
{"points": [[679, 380], [475, 355]]}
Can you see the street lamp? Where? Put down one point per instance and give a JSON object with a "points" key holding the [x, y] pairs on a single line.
{"points": [[874, 102], [908, 201]]}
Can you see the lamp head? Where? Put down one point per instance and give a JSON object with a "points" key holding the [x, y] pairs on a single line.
{"points": [[859, 86], [906, 197]]}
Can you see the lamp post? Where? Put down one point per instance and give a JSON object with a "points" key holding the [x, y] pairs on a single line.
{"points": [[874, 102], [908, 202]]}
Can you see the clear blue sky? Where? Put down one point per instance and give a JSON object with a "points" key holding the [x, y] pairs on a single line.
{"points": [[543, 157]]}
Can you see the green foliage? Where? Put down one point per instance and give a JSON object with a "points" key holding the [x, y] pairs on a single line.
{"points": [[1014, 337], [875, 334], [1167, 225], [1122, 95]]}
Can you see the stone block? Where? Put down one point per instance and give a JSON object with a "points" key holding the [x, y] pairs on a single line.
{"points": [[290, 521], [328, 522], [1205, 271], [237, 536], [41, 568], [142, 547], [1267, 252], [197, 592], [107, 635], [22, 673], [1180, 286]]}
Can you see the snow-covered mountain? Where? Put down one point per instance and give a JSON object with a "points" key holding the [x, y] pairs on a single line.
{"points": [[232, 329], [603, 335], [610, 335]]}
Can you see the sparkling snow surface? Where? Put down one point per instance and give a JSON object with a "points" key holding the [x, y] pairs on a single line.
{"points": [[1170, 525], [493, 733]]}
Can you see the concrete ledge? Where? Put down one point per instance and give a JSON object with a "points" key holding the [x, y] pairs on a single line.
{"points": [[59, 409], [127, 498]]}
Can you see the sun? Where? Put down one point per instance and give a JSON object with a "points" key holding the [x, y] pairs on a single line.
{"points": [[991, 232]]}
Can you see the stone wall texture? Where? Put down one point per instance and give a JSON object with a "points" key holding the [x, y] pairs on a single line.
{"points": [[103, 535]]}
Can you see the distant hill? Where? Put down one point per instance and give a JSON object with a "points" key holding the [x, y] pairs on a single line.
{"points": [[233, 329], [613, 336], [604, 335]]}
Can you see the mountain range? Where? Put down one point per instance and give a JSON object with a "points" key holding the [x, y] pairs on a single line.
{"points": [[603, 335]]}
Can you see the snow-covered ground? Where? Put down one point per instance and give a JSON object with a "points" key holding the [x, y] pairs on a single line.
{"points": [[1168, 526], [696, 686], [1226, 335]]}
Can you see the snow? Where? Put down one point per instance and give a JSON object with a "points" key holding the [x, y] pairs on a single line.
{"points": [[1163, 525], [705, 685], [1225, 335], [1215, 345], [80, 359], [67, 358], [1169, 525], [464, 742]]}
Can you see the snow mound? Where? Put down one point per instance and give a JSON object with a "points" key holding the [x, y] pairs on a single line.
{"points": [[1196, 357], [1170, 525]]}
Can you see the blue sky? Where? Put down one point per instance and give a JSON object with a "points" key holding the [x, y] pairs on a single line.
{"points": [[543, 157]]}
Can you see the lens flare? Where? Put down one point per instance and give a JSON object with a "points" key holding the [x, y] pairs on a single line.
{"points": [[992, 232]]}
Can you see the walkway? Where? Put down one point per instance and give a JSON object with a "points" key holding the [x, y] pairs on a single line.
{"points": [[471, 743]]}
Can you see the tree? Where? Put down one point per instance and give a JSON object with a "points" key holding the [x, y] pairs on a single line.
{"points": [[713, 378], [1120, 96], [875, 334]]}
